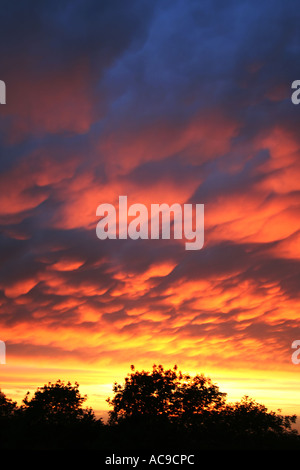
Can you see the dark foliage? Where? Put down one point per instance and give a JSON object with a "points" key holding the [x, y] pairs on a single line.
{"points": [[162, 410], [57, 403], [166, 395]]}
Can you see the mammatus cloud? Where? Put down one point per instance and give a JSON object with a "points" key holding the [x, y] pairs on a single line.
{"points": [[179, 103]]}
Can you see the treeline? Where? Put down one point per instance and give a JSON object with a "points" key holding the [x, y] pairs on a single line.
{"points": [[161, 410]]}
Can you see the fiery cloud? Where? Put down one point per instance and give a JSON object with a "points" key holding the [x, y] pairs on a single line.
{"points": [[183, 103]]}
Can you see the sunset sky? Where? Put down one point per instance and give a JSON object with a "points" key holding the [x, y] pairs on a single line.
{"points": [[182, 101]]}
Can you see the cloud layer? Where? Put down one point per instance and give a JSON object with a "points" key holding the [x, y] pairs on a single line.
{"points": [[162, 102]]}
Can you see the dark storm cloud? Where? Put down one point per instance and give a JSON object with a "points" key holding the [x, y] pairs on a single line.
{"points": [[216, 55], [219, 182], [59, 31]]}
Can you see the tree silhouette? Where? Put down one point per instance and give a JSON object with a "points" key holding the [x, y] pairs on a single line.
{"points": [[8, 413], [164, 393], [7, 407], [57, 403], [166, 407], [163, 409], [199, 397], [249, 417]]}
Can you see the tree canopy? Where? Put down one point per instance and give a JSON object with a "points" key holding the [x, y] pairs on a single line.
{"points": [[7, 406], [163, 393], [248, 416], [193, 403], [161, 409], [57, 403]]}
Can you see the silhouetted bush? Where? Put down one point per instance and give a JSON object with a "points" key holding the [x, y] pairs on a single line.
{"points": [[160, 410]]}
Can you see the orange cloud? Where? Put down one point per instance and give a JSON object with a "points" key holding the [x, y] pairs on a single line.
{"points": [[20, 288]]}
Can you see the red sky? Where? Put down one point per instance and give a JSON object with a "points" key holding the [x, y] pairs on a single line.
{"points": [[130, 101]]}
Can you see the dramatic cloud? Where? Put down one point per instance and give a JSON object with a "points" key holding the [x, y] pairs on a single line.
{"points": [[185, 102]]}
